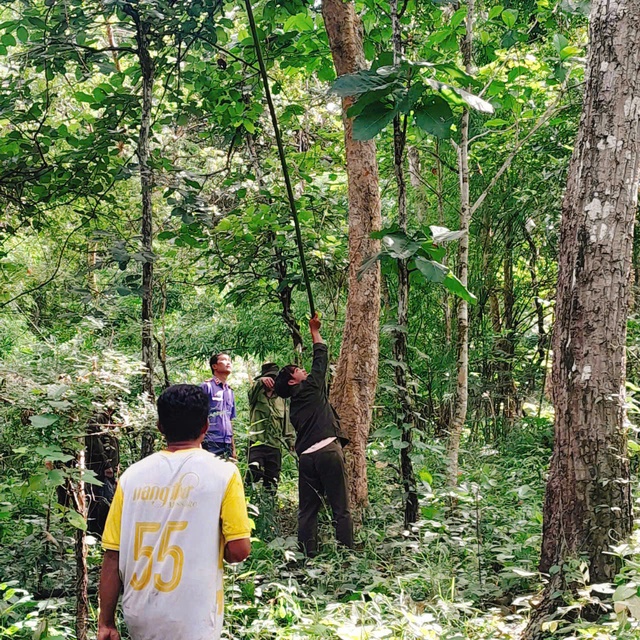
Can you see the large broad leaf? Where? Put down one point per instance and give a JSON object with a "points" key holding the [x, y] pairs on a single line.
{"points": [[355, 84], [457, 288], [457, 74], [440, 235], [368, 98], [434, 116], [373, 119], [432, 271], [456, 95], [367, 263], [399, 246], [76, 520]]}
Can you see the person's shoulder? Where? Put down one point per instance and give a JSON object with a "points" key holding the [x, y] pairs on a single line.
{"points": [[216, 467], [140, 467]]}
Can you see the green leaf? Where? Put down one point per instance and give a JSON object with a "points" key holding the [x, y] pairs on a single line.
{"points": [[495, 122], [457, 74], [8, 40], [441, 235], [373, 119], [458, 17], [299, 22], [355, 84], [570, 52], [44, 420], [432, 271], [559, 42], [434, 116], [76, 520], [509, 17], [367, 263], [494, 12], [457, 288], [399, 246], [54, 454], [22, 33], [459, 96]]}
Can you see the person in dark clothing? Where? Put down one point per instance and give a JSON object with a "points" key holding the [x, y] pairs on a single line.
{"points": [[319, 443], [103, 458], [270, 429]]}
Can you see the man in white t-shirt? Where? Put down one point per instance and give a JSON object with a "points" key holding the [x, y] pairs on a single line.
{"points": [[175, 515]]}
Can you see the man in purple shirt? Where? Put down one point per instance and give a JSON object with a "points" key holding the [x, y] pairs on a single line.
{"points": [[222, 408]]}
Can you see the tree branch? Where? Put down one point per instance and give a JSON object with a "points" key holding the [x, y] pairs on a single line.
{"points": [[507, 163]]}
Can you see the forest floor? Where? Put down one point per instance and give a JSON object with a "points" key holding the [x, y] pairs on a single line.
{"points": [[468, 572]]}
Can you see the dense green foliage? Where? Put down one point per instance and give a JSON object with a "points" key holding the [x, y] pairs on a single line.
{"points": [[227, 277]]}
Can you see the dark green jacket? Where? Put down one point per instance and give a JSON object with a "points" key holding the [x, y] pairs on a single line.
{"points": [[269, 419]]}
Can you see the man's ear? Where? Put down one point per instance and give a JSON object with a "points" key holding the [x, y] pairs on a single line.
{"points": [[160, 429], [292, 382], [205, 427]]}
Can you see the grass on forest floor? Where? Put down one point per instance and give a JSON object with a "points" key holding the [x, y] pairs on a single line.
{"points": [[464, 573]]}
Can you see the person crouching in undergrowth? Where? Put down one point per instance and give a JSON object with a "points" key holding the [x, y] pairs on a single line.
{"points": [[319, 443]]}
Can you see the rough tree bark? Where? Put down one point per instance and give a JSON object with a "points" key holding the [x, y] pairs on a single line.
{"points": [[588, 502], [353, 390], [462, 379]]}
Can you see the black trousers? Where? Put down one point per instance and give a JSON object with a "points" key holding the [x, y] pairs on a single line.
{"points": [[265, 463], [322, 474]]}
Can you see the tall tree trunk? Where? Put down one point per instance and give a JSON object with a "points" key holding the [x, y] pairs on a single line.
{"points": [[82, 579], [462, 379], [440, 195], [353, 390], [406, 416], [146, 185], [588, 500], [507, 391]]}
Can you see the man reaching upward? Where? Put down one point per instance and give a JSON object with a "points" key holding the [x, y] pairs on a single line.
{"points": [[319, 442]]}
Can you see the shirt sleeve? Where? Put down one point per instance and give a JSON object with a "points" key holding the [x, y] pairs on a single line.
{"points": [[233, 405], [111, 535], [317, 377], [233, 514]]}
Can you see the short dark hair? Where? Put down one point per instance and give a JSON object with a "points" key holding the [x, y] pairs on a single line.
{"points": [[281, 385], [214, 358], [182, 412]]}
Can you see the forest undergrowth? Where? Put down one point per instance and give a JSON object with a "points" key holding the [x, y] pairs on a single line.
{"points": [[463, 572]]}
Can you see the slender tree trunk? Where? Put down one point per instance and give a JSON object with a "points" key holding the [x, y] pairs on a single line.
{"points": [[462, 379], [535, 289], [92, 260], [588, 500], [446, 308], [146, 186], [507, 391], [82, 579], [406, 416], [353, 390], [161, 344]]}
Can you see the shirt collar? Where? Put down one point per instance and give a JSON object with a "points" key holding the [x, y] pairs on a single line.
{"points": [[219, 382]]}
